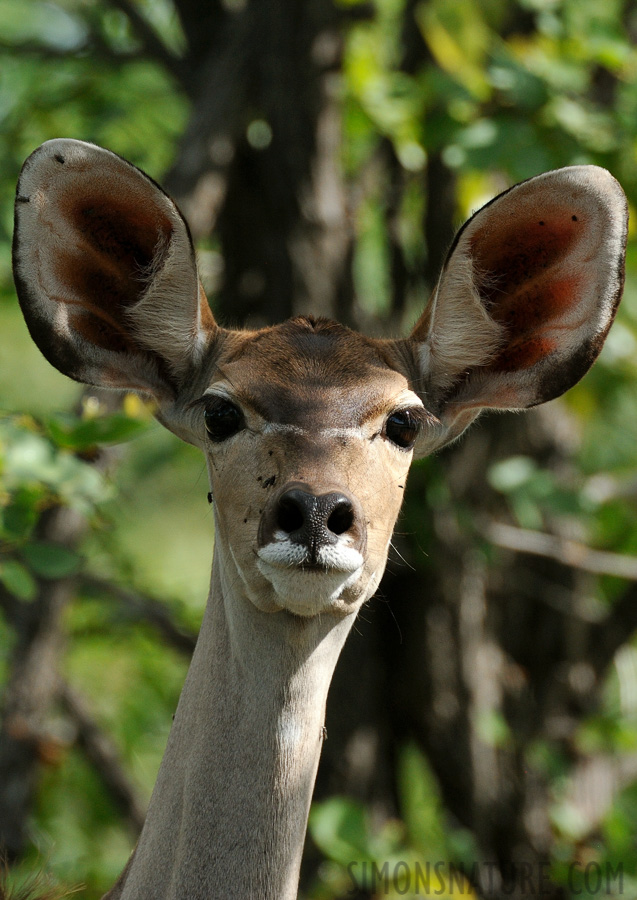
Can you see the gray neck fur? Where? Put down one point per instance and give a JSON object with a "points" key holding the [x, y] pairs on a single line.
{"points": [[229, 811]]}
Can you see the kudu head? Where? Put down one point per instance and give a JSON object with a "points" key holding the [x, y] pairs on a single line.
{"points": [[309, 428]]}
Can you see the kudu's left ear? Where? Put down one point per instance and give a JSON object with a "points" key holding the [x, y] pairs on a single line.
{"points": [[105, 271], [525, 299]]}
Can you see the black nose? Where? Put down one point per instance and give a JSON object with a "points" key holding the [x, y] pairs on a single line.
{"points": [[312, 520]]}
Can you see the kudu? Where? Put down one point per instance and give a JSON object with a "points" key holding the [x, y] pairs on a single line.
{"points": [[308, 429]]}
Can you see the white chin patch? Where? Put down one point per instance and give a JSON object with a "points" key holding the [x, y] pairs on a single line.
{"points": [[303, 591]]}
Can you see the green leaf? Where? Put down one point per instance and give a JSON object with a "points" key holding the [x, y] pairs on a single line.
{"points": [[492, 728], [18, 518], [339, 827], [50, 560], [458, 38], [18, 580], [85, 434], [511, 473], [420, 803]]}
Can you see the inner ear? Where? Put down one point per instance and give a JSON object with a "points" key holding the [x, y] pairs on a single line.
{"points": [[111, 263], [106, 271], [527, 295], [515, 279]]}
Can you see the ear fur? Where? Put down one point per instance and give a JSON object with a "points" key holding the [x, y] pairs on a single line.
{"points": [[525, 299], [105, 271]]}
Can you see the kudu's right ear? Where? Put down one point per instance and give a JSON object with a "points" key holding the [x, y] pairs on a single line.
{"points": [[105, 271], [525, 300]]}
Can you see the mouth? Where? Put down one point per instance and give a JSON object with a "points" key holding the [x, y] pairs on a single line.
{"points": [[326, 559], [307, 586]]}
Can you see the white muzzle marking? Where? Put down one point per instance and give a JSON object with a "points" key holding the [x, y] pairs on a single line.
{"points": [[307, 591]]}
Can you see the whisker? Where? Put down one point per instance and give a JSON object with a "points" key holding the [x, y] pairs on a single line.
{"points": [[396, 550]]}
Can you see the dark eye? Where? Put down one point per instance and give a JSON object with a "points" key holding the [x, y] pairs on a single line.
{"points": [[223, 419], [402, 428]]}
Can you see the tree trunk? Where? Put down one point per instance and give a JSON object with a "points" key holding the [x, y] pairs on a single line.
{"points": [[259, 160]]}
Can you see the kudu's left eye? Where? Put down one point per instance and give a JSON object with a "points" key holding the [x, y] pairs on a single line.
{"points": [[223, 419], [402, 428]]}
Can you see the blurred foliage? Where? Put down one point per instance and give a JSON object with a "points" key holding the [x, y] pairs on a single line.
{"points": [[501, 89], [394, 858], [36, 475]]}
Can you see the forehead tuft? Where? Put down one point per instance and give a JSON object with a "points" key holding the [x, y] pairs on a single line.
{"points": [[307, 349], [293, 370]]}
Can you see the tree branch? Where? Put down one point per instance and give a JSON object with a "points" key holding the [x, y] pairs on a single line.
{"points": [[103, 755], [606, 636], [31, 686], [146, 609], [569, 553]]}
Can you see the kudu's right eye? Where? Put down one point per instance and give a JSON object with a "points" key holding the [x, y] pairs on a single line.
{"points": [[402, 427], [223, 419]]}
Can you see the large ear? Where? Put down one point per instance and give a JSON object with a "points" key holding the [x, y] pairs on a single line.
{"points": [[105, 271], [525, 299]]}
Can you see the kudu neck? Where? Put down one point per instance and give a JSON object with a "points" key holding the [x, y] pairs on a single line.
{"points": [[229, 811]]}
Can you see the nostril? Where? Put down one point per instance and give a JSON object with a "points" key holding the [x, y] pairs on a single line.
{"points": [[341, 518], [313, 519], [290, 516]]}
